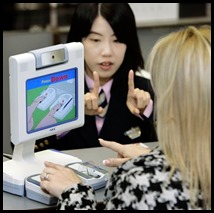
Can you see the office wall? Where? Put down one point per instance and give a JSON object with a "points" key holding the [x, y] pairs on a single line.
{"points": [[148, 37], [14, 43]]}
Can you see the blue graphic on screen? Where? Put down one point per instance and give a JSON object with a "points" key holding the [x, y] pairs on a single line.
{"points": [[51, 100]]}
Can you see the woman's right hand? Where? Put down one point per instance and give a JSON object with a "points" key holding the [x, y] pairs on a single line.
{"points": [[124, 152], [91, 99]]}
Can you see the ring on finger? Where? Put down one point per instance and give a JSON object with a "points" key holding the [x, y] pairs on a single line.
{"points": [[46, 176]]}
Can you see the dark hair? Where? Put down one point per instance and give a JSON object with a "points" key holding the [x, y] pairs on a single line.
{"points": [[121, 19]]}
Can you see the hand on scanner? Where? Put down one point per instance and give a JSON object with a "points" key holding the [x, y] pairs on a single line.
{"points": [[56, 178]]}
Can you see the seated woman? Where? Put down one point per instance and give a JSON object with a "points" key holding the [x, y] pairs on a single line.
{"points": [[177, 174]]}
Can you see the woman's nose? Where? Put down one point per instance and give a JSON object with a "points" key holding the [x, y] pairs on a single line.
{"points": [[107, 49]]}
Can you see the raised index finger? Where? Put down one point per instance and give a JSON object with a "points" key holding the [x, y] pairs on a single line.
{"points": [[131, 82], [96, 83]]}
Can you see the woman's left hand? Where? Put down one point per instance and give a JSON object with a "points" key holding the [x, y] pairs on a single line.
{"points": [[137, 99], [56, 178]]}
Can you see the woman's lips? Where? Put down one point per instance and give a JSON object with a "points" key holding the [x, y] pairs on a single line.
{"points": [[105, 65]]}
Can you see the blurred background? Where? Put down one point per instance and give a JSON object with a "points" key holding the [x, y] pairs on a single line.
{"points": [[25, 16], [153, 19]]}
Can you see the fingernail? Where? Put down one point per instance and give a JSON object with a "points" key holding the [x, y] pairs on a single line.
{"points": [[143, 145], [106, 162]]}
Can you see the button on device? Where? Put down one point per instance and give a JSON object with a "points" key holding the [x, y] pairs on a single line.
{"points": [[46, 142], [41, 145]]}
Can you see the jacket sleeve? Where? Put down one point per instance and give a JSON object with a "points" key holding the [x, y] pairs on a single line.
{"points": [[77, 197]]}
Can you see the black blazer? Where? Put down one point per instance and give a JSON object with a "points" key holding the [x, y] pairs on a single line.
{"points": [[118, 121]]}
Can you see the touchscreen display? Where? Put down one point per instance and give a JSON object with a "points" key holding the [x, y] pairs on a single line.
{"points": [[51, 100]]}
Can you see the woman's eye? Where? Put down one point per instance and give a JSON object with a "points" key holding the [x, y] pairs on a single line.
{"points": [[95, 40], [116, 40]]}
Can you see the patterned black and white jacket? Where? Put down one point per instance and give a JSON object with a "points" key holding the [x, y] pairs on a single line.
{"points": [[140, 183]]}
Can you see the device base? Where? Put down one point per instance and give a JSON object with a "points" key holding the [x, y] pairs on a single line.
{"points": [[15, 172]]}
